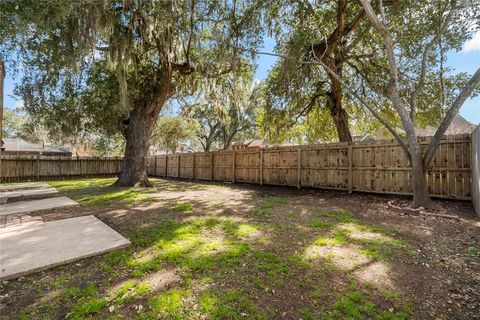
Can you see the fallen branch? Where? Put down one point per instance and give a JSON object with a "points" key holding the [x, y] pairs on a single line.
{"points": [[440, 215], [408, 209], [420, 211]]}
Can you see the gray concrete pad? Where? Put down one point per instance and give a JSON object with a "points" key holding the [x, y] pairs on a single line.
{"points": [[35, 205], [16, 186], [37, 247], [28, 193]]}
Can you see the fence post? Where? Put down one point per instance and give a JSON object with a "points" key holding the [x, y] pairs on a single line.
{"points": [[193, 166], [299, 165], [38, 166], [155, 166], [211, 166], [81, 168], [166, 165], [261, 166], [233, 166], [178, 165], [32, 163], [350, 168]]}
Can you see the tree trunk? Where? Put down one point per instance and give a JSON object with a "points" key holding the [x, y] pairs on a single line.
{"points": [[421, 198], [207, 145], [228, 141], [339, 115], [134, 170]]}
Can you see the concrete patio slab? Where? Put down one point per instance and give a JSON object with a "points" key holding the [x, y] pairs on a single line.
{"points": [[28, 193], [35, 205], [16, 186], [37, 247]]}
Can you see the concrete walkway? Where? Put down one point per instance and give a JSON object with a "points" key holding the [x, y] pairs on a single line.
{"points": [[37, 247], [16, 186], [35, 205], [26, 193]]}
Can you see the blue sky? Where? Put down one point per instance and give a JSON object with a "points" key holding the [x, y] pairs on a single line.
{"points": [[466, 60]]}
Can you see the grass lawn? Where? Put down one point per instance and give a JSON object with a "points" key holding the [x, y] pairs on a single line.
{"points": [[212, 251]]}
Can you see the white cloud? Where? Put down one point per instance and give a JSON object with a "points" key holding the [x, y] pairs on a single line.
{"points": [[472, 44]]}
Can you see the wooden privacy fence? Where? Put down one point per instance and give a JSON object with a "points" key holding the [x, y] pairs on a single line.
{"points": [[24, 168], [379, 167]]}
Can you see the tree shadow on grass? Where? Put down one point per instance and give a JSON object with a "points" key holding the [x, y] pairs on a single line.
{"points": [[248, 264]]}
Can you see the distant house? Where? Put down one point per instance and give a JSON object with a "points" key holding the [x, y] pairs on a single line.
{"points": [[458, 126], [251, 143], [17, 146]]}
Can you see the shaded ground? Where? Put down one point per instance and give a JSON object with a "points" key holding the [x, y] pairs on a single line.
{"points": [[219, 251]]}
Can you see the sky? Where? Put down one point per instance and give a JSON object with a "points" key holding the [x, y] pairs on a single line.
{"points": [[466, 60]]}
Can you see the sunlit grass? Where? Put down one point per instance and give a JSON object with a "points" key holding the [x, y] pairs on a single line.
{"points": [[100, 192], [182, 207], [222, 264]]}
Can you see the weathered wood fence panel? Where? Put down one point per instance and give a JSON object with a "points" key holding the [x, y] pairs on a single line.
{"points": [[379, 167], [25, 168], [476, 169]]}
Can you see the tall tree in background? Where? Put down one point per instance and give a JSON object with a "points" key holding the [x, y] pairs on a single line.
{"points": [[170, 132], [151, 49], [226, 110], [330, 31], [428, 25]]}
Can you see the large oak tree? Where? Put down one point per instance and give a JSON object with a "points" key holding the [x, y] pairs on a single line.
{"points": [[122, 60]]}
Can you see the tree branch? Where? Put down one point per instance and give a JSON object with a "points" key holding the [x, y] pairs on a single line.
{"points": [[366, 105], [426, 51], [452, 112], [393, 92]]}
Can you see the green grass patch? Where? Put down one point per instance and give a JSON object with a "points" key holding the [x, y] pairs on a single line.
{"points": [[87, 307], [374, 241], [182, 207], [265, 209], [99, 191], [128, 196], [316, 294], [357, 305], [195, 244], [473, 252], [338, 216], [319, 224], [233, 304], [271, 263], [170, 303], [306, 314]]}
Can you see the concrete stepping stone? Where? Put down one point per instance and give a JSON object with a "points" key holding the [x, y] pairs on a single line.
{"points": [[27, 193], [35, 205], [16, 186], [36, 247]]}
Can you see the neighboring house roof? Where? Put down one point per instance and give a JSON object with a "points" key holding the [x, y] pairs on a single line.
{"points": [[251, 143], [257, 143], [17, 145], [458, 126]]}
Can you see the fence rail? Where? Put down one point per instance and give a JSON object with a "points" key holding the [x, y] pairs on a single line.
{"points": [[379, 167], [25, 168]]}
